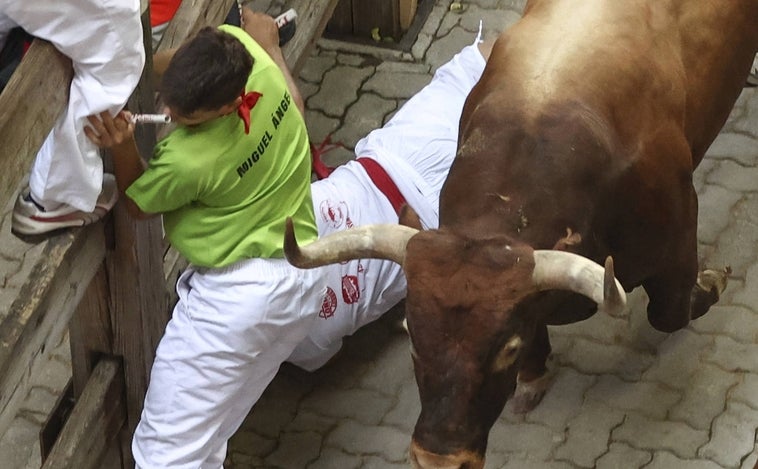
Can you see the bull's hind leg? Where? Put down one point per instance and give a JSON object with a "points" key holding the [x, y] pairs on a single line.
{"points": [[707, 290], [675, 302]]}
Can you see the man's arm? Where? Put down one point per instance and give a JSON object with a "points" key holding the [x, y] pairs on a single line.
{"points": [[262, 28], [117, 135]]}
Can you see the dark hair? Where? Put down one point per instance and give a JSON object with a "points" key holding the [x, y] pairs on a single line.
{"points": [[206, 72]]}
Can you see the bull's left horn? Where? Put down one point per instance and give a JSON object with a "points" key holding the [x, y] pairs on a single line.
{"points": [[561, 270], [368, 241]]}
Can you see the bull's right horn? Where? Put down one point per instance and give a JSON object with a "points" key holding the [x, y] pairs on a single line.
{"points": [[561, 270], [368, 241]]}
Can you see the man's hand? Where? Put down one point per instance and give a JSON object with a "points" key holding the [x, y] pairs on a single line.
{"points": [[110, 132], [262, 28], [117, 135]]}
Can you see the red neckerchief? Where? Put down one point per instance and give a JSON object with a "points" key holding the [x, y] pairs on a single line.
{"points": [[248, 102]]}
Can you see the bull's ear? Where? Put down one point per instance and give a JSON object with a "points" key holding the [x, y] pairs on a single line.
{"points": [[571, 239], [409, 217]]}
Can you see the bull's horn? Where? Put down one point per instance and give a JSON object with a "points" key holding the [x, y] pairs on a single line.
{"points": [[368, 241], [560, 270]]}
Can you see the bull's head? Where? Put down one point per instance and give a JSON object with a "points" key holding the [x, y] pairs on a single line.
{"points": [[467, 334]]}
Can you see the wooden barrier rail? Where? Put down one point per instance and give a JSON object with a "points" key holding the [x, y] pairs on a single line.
{"points": [[105, 282]]}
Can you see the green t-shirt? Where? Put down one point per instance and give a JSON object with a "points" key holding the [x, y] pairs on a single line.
{"points": [[224, 195]]}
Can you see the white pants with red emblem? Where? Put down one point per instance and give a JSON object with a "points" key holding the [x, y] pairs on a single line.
{"points": [[416, 148], [103, 39], [233, 327]]}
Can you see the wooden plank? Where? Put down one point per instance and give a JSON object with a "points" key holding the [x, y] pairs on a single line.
{"points": [[139, 302], [44, 307], [44, 74], [192, 16], [406, 13], [90, 330], [95, 421], [312, 17]]}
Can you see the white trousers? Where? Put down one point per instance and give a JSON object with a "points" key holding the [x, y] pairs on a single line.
{"points": [[418, 145], [233, 327], [103, 38]]}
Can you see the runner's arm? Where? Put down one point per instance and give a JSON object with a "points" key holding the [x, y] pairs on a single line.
{"points": [[263, 29], [117, 135]]}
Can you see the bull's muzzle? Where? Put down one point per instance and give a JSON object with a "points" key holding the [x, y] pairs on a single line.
{"points": [[423, 459]]}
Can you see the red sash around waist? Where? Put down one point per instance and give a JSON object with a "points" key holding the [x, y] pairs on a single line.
{"points": [[383, 182]]}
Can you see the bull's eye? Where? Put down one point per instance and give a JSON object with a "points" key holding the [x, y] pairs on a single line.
{"points": [[507, 355]]}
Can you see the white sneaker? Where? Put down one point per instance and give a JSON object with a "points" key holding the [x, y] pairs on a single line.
{"points": [[30, 219], [287, 25]]}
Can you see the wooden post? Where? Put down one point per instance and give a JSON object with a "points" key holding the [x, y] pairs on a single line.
{"points": [[139, 310]]}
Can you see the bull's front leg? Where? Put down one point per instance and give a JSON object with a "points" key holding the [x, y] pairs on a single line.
{"points": [[554, 308], [533, 379]]}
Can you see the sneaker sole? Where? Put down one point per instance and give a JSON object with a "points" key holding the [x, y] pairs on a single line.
{"points": [[38, 225]]}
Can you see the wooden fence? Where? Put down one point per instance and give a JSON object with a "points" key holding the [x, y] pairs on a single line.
{"points": [[109, 283]]}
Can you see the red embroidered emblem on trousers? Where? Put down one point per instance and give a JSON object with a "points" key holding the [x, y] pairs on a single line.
{"points": [[329, 306], [350, 289], [335, 213]]}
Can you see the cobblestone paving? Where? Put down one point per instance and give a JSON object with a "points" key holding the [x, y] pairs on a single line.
{"points": [[623, 396]]}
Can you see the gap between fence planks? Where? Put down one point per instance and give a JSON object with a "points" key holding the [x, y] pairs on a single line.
{"points": [[94, 423]]}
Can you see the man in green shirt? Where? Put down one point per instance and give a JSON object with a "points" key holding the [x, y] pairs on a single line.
{"points": [[224, 183]]}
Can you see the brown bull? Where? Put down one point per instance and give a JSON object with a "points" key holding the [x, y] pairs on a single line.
{"points": [[581, 136]]}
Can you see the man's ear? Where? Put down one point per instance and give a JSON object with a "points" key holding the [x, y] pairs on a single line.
{"points": [[409, 217], [230, 107]]}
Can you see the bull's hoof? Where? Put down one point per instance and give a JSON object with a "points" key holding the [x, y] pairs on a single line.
{"points": [[707, 291], [710, 279], [529, 394]]}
